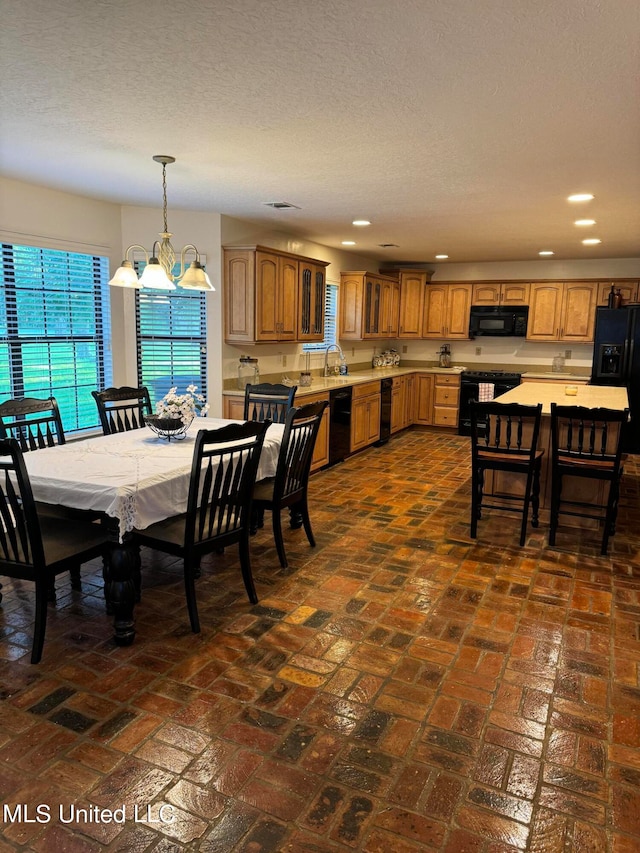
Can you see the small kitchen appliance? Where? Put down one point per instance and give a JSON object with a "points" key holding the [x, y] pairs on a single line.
{"points": [[444, 356]]}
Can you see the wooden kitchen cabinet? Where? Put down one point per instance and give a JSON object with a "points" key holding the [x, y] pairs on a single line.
{"points": [[311, 297], [562, 311], [233, 408], [412, 290], [446, 310], [320, 456], [424, 399], [628, 290], [403, 401], [446, 399], [261, 296], [365, 415], [369, 306], [501, 293]]}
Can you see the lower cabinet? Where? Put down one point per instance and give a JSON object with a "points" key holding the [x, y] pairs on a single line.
{"points": [[365, 415], [234, 408], [424, 399], [446, 399], [398, 403], [320, 456]]}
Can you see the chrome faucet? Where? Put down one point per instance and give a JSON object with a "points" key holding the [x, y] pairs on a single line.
{"points": [[327, 372]]}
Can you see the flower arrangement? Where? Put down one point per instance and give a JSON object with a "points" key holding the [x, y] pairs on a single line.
{"points": [[182, 407]]}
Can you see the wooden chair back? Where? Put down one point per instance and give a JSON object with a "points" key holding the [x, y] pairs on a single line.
{"points": [[35, 423], [268, 402], [122, 409], [504, 432], [298, 442]]}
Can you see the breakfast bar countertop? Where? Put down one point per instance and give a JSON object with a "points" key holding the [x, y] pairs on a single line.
{"points": [[590, 396]]}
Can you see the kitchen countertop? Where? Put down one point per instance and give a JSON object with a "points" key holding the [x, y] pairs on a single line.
{"points": [[590, 396], [552, 376]]}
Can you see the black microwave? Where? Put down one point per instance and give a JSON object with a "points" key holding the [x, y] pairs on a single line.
{"points": [[498, 321]]}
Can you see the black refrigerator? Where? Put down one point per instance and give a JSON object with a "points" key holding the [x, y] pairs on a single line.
{"points": [[616, 361]]}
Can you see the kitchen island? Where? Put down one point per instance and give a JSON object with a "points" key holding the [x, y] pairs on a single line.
{"points": [[589, 396]]}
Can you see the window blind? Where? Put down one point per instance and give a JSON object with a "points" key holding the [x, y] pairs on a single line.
{"points": [[55, 329], [330, 321], [171, 340]]}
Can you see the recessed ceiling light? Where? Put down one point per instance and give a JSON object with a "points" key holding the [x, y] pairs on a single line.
{"points": [[580, 197], [591, 241], [348, 243], [361, 222], [546, 252], [584, 222], [441, 257]]}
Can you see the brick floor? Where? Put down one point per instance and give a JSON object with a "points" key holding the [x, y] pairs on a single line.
{"points": [[399, 688]]}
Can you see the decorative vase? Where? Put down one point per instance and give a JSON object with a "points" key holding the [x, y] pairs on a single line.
{"points": [[167, 428]]}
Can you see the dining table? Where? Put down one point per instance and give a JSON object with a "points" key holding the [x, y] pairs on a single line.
{"points": [[129, 480]]}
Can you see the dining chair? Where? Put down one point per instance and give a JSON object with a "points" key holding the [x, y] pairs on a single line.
{"points": [[289, 487], [38, 547], [268, 401], [586, 443], [122, 409], [223, 473], [504, 438], [34, 422]]}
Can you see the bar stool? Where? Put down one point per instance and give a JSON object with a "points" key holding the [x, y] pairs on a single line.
{"points": [[504, 437], [586, 443]]}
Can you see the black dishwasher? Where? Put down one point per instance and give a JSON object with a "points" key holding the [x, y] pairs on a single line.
{"points": [[385, 411], [339, 424]]}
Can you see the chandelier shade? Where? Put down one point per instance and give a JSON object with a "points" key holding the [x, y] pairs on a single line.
{"points": [[158, 273]]}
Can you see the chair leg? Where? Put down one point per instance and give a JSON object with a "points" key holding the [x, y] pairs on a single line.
{"points": [[535, 497], [277, 535], [76, 580], [525, 510], [245, 564], [51, 590], [303, 506], [42, 588], [610, 518], [476, 499], [190, 592], [556, 489]]}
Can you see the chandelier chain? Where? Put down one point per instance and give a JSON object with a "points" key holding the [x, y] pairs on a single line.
{"points": [[164, 195]]}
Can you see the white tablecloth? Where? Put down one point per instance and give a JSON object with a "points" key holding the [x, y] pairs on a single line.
{"points": [[132, 476]]}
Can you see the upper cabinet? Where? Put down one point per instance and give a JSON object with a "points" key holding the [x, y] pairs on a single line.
{"points": [[628, 290], [369, 306], [562, 311], [501, 293], [412, 290], [446, 310], [272, 296]]}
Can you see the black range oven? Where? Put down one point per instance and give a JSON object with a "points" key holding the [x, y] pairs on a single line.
{"points": [[470, 381]]}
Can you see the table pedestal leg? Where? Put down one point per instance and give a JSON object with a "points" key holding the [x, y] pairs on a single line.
{"points": [[121, 567]]}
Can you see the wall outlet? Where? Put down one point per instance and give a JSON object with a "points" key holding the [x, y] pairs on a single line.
{"points": [[567, 353], [284, 361], [404, 348], [353, 351], [478, 350]]}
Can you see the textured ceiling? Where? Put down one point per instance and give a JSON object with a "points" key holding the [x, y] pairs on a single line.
{"points": [[455, 126]]}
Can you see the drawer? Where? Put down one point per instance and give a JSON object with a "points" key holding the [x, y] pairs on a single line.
{"points": [[444, 396], [448, 379], [443, 416], [365, 389]]}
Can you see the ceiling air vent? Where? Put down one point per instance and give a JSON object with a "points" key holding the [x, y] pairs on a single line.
{"points": [[281, 205], [388, 245]]}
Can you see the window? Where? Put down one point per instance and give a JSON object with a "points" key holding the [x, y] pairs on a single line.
{"points": [[330, 321], [171, 338], [55, 329]]}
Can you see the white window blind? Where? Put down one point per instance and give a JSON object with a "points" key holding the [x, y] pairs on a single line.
{"points": [[330, 320], [55, 329], [171, 340]]}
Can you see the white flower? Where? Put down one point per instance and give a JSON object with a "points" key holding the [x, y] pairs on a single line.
{"points": [[182, 407]]}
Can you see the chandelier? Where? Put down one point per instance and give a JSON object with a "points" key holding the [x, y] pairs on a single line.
{"points": [[158, 273]]}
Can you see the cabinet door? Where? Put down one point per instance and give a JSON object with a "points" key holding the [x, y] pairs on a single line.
{"points": [[628, 291], [350, 301], [578, 318], [234, 408], [372, 308], [458, 309], [412, 287], [390, 309], [359, 423], [410, 400], [515, 293], [267, 297], [398, 402], [486, 294], [320, 456], [374, 406], [424, 395], [435, 310], [239, 277], [311, 296], [287, 299], [545, 312]]}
